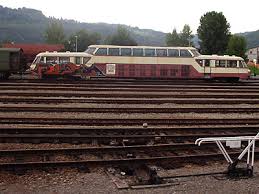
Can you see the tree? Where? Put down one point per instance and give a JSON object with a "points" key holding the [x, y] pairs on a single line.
{"points": [[186, 36], [83, 38], [54, 33], [122, 37], [173, 39], [213, 33], [182, 39], [237, 46]]}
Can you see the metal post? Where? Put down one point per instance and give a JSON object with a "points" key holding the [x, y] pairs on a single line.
{"points": [[76, 43]]}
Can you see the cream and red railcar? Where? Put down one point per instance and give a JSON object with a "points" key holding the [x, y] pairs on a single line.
{"points": [[164, 63], [144, 62]]}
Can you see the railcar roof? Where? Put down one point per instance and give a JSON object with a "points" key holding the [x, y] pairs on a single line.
{"points": [[219, 57], [64, 54], [158, 47], [11, 49]]}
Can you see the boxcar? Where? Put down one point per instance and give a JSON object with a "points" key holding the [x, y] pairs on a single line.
{"points": [[11, 61]]}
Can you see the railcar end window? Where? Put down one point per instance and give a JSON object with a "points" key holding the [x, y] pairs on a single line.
{"points": [[114, 51], [138, 52], [195, 53], [101, 52], [126, 52], [173, 53], [185, 53], [161, 52], [90, 50], [150, 52]]}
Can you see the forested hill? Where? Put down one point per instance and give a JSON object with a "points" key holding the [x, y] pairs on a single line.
{"points": [[252, 38], [28, 25]]}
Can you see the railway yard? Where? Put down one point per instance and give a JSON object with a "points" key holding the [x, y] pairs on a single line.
{"points": [[119, 135]]}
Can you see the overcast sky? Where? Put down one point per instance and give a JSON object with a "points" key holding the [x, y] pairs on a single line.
{"points": [[162, 15]]}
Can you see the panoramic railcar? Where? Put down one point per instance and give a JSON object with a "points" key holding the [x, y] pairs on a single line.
{"points": [[165, 63], [142, 62]]}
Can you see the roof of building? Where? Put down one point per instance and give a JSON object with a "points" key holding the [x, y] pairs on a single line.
{"points": [[34, 49]]}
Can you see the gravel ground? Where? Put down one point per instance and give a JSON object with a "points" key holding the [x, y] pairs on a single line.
{"points": [[97, 181], [128, 116]]}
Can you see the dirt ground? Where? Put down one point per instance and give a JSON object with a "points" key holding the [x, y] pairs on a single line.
{"points": [[97, 181]]}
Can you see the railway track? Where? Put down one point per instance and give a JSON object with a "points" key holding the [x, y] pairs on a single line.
{"points": [[132, 95], [17, 108], [76, 157], [125, 122], [57, 100], [132, 88]]}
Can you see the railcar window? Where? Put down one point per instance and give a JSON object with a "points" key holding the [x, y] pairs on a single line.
{"points": [[126, 52], [114, 51], [150, 52], [231, 63], [207, 63], [101, 52], [86, 59], [51, 60], [64, 60], [217, 63], [185, 53], [199, 61], [138, 52], [90, 50], [78, 61], [195, 53], [161, 52], [173, 53], [244, 64], [222, 63], [241, 64]]}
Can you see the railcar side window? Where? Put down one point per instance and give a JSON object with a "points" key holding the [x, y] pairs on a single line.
{"points": [[207, 63], [185, 53], [114, 51], [78, 61], [101, 52], [232, 64], [64, 60], [222, 63], [161, 52], [125, 51], [217, 63], [200, 62], [138, 52], [150, 52], [51, 60], [173, 53]]}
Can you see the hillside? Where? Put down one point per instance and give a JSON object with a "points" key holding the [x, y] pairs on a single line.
{"points": [[25, 25], [28, 25], [252, 38]]}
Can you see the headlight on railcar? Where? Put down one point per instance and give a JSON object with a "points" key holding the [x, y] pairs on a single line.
{"points": [[32, 67]]}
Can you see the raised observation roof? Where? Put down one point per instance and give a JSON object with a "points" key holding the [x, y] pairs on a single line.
{"points": [[218, 57], [154, 47]]}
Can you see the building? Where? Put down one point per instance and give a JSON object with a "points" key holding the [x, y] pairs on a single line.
{"points": [[31, 50], [253, 54]]}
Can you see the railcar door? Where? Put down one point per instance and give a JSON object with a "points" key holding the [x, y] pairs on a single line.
{"points": [[207, 68]]}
